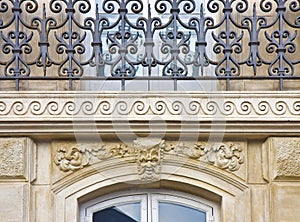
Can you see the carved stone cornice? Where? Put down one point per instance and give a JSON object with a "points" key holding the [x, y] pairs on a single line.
{"points": [[60, 113], [148, 154], [139, 105]]}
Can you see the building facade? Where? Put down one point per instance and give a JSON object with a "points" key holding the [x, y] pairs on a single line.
{"points": [[157, 111]]}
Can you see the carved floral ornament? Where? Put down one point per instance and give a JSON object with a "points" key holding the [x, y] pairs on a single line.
{"points": [[149, 154]]}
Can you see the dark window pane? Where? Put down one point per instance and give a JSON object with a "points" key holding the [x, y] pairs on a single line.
{"points": [[120, 213], [169, 212]]}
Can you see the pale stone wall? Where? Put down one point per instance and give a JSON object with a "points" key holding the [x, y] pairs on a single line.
{"points": [[258, 182], [17, 173], [241, 152]]}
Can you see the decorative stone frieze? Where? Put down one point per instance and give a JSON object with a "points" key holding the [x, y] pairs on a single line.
{"points": [[172, 106], [17, 158], [74, 156], [227, 155], [281, 155], [148, 154]]}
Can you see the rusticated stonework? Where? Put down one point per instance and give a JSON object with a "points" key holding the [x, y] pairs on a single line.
{"points": [[281, 158], [287, 157], [13, 157], [148, 154]]}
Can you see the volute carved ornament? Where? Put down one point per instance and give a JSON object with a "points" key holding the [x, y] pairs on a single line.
{"points": [[148, 154]]}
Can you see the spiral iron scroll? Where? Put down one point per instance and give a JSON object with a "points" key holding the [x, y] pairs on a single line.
{"points": [[29, 30]]}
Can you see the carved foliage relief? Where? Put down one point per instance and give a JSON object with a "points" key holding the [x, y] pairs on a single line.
{"points": [[227, 156], [74, 156], [148, 154]]}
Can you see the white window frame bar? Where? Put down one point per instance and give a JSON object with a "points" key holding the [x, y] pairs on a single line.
{"points": [[149, 200]]}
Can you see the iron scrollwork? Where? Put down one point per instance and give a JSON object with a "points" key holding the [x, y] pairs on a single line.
{"points": [[125, 36], [17, 41]]}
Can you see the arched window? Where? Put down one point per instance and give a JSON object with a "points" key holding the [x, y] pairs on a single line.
{"points": [[149, 206]]}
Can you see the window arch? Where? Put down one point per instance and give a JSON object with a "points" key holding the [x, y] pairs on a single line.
{"points": [[149, 206]]}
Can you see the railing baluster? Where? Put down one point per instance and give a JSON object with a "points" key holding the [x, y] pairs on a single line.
{"points": [[44, 24]]}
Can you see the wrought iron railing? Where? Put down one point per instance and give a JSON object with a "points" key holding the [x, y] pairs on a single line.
{"points": [[77, 40]]}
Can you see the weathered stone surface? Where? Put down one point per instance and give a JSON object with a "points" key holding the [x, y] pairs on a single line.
{"points": [[13, 203], [288, 157], [42, 208], [286, 202], [260, 206], [12, 157], [16, 158], [255, 169], [282, 157]]}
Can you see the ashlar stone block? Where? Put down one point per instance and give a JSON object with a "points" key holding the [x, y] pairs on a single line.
{"points": [[17, 158], [281, 158], [14, 202], [286, 202]]}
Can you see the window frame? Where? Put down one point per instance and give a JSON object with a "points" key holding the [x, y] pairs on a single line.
{"points": [[182, 201], [149, 200]]}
